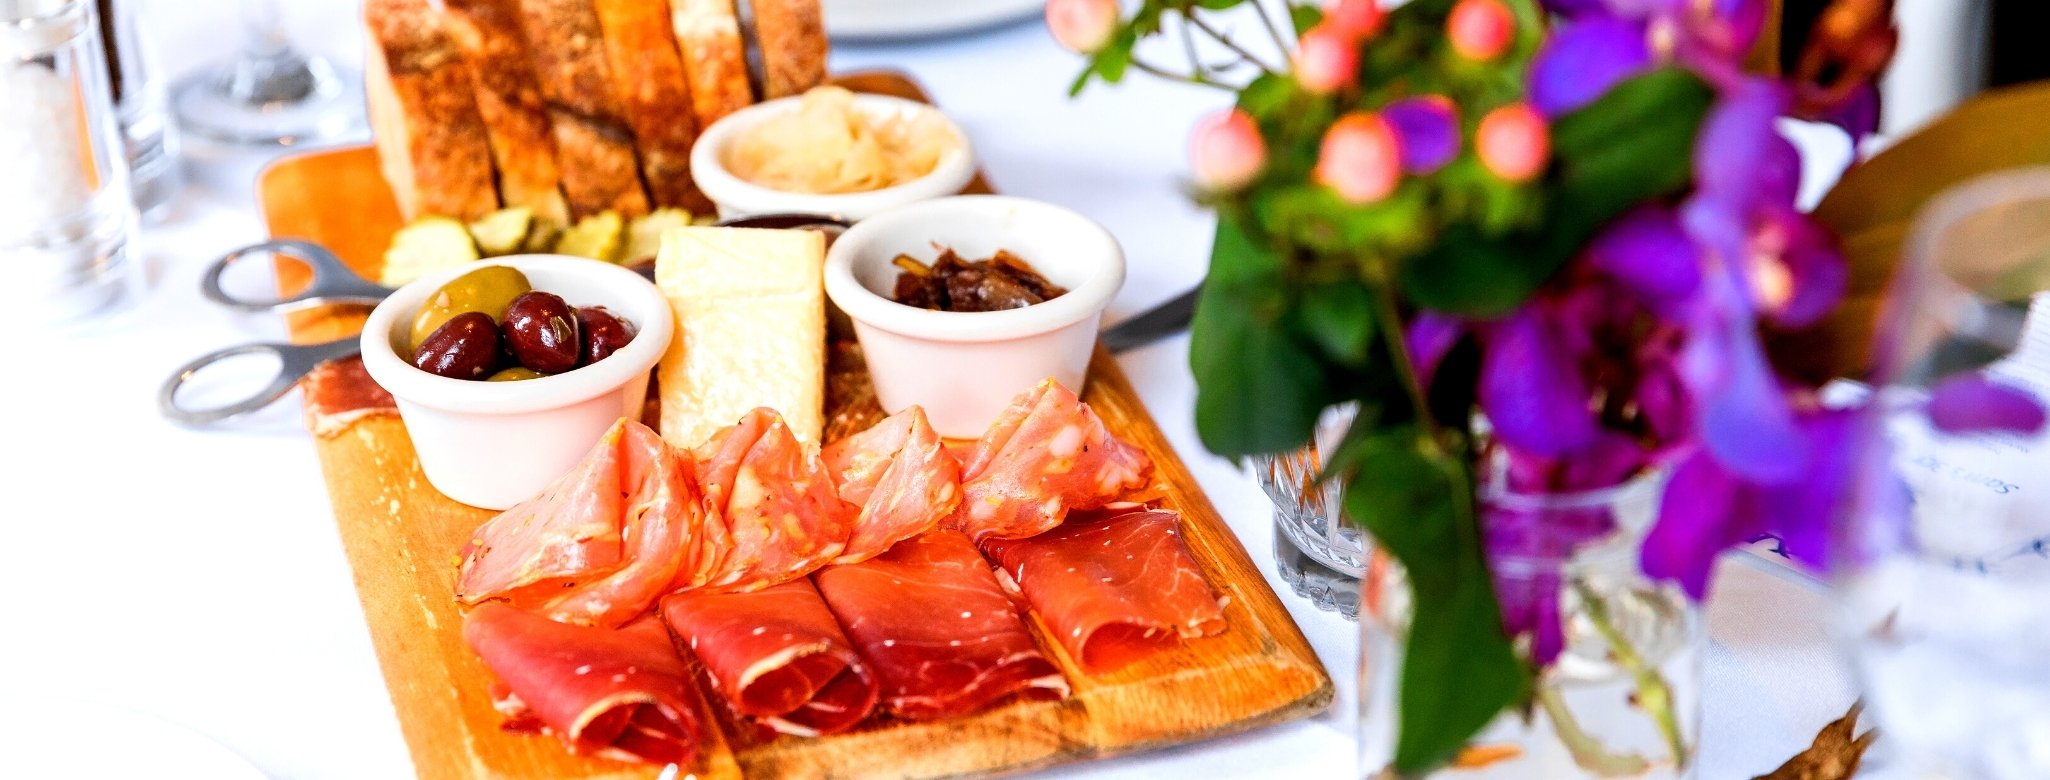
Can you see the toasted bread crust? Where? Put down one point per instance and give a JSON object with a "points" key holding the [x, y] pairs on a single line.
{"points": [[431, 139], [593, 145], [714, 58], [648, 75], [792, 34], [489, 34]]}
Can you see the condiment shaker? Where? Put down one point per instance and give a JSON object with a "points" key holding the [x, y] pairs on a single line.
{"points": [[65, 214], [150, 139]]}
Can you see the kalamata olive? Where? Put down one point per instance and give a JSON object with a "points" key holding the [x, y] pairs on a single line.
{"points": [[466, 347], [542, 332], [515, 374], [489, 290], [604, 333]]}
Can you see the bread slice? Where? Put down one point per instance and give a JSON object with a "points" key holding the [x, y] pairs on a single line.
{"points": [[593, 145], [489, 35], [751, 329], [714, 58], [792, 35], [648, 75], [430, 139]]}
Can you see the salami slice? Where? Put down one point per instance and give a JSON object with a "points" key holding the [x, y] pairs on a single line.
{"points": [[1046, 454], [901, 476], [622, 694], [1113, 587], [776, 655], [771, 512], [943, 638]]}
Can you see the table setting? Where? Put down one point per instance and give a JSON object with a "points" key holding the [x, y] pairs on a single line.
{"points": [[1440, 388]]}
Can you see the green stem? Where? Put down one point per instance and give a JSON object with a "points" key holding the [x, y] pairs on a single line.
{"points": [[1268, 22], [1587, 751], [1228, 42], [1653, 693], [1389, 316], [1188, 78]]}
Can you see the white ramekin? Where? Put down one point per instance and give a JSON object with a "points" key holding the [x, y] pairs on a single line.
{"points": [[738, 198], [495, 444], [964, 367]]}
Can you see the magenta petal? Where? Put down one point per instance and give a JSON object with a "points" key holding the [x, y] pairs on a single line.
{"points": [[1741, 21], [1744, 419], [1430, 336], [1583, 59], [1647, 252], [1807, 254], [1972, 403], [1735, 144], [1859, 115], [1532, 393], [1779, 178], [1428, 129], [1694, 525]]}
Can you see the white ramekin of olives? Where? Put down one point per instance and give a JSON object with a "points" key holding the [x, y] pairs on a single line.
{"points": [[508, 370]]}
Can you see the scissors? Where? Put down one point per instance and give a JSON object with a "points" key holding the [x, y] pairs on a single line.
{"points": [[333, 283]]}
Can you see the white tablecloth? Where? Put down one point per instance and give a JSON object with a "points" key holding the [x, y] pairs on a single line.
{"points": [[195, 577]]}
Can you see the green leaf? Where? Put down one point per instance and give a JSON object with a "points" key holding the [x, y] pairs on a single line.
{"points": [[1259, 388], [1218, 5], [1304, 17], [1459, 669], [1634, 144], [1338, 318], [1474, 276]]}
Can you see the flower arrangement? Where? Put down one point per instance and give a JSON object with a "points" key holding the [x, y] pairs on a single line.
{"points": [[1547, 234]]}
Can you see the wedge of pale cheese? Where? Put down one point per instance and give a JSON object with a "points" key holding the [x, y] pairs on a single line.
{"points": [[750, 329]]}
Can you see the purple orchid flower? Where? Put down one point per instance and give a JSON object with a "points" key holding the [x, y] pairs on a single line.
{"points": [[1583, 59], [1973, 403], [1428, 127], [1537, 401]]}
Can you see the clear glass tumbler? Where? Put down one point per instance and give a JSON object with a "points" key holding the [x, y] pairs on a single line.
{"points": [[65, 213], [1319, 552], [1945, 576]]}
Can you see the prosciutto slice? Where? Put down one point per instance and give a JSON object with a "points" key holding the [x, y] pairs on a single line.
{"points": [[340, 392], [1113, 587], [901, 475], [939, 631], [622, 694], [600, 546], [1046, 454], [771, 512], [777, 655]]}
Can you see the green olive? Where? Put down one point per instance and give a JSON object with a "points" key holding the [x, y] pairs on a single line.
{"points": [[515, 374], [488, 290]]}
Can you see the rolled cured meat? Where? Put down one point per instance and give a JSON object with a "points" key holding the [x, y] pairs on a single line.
{"points": [[940, 633], [597, 547], [1113, 586], [777, 655], [622, 694], [771, 514], [1046, 454], [900, 473]]}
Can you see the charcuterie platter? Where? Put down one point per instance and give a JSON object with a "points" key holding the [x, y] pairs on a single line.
{"points": [[405, 539]]}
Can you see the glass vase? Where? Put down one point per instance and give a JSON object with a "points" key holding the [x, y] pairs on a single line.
{"points": [[1621, 697]]}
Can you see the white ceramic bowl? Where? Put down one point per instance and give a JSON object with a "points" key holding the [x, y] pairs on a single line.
{"points": [[495, 444], [738, 198], [964, 367]]}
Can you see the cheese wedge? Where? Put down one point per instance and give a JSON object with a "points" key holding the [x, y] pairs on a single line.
{"points": [[750, 329]]}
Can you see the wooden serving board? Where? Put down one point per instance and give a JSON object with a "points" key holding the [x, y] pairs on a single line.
{"points": [[401, 538]]}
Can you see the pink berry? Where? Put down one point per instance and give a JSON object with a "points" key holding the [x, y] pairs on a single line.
{"points": [[1226, 151], [1514, 143], [1361, 158], [1357, 19], [1082, 25], [1481, 29], [1325, 59]]}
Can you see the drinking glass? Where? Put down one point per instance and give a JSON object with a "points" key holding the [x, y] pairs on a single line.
{"points": [[270, 92], [1318, 551], [1945, 569]]}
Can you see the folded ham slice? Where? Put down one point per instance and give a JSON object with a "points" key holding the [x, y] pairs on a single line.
{"points": [[771, 512], [943, 638], [622, 694], [599, 546], [1113, 586], [901, 475], [1046, 454], [777, 655]]}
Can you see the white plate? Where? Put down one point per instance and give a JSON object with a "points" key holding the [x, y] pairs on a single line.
{"points": [[61, 736], [874, 20]]}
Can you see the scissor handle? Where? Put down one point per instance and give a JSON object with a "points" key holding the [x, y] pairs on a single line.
{"points": [[333, 282], [294, 362]]}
